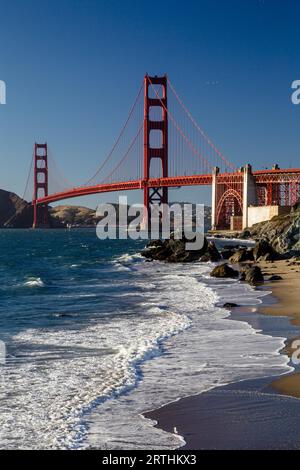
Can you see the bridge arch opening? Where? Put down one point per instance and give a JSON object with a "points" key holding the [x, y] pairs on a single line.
{"points": [[229, 205]]}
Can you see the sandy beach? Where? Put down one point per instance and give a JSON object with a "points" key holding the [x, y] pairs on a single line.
{"points": [[287, 293], [286, 290], [227, 417]]}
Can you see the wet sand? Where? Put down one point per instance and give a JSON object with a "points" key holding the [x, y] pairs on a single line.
{"points": [[229, 417], [241, 416], [287, 292]]}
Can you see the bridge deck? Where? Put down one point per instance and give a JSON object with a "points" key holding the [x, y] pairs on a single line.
{"points": [[261, 176]]}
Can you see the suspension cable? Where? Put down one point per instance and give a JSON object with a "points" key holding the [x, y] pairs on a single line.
{"points": [[118, 138], [58, 170], [179, 128], [28, 176], [125, 155], [214, 147]]}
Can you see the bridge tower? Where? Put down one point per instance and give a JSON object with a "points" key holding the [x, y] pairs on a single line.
{"points": [[158, 87], [40, 211]]}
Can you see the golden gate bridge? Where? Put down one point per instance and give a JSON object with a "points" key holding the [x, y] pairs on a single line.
{"points": [[161, 146]]}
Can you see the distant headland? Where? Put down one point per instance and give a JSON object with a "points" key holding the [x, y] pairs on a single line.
{"points": [[15, 212]]}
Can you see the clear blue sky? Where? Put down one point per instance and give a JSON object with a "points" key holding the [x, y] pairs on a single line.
{"points": [[73, 67]]}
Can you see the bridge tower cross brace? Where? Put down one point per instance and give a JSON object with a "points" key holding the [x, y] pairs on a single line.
{"points": [[157, 195], [40, 212]]}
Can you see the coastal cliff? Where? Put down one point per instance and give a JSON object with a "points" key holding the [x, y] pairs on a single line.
{"points": [[14, 211], [282, 232]]}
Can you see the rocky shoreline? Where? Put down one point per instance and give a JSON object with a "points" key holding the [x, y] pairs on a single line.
{"points": [[245, 406], [234, 261], [277, 239]]}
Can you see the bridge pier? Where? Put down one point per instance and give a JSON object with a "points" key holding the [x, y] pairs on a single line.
{"points": [[40, 216], [216, 171], [40, 211], [227, 200], [155, 196], [249, 193], [231, 197]]}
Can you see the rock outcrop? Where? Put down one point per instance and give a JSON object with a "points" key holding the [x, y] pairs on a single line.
{"points": [[264, 251], [252, 274], [173, 251], [212, 253], [282, 232], [224, 271], [241, 255], [14, 211], [226, 253]]}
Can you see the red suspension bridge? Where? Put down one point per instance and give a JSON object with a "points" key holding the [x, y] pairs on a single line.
{"points": [[162, 146]]}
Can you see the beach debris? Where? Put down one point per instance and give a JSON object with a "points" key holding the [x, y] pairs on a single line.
{"points": [[224, 270]]}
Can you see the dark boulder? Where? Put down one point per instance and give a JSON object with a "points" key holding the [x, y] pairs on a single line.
{"points": [[241, 255], [223, 270], [147, 253], [264, 251], [226, 253], [253, 275], [205, 258], [173, 250], [155, 243], [230, 305], [245, 234], [275, 277], [212, 253], [155, 249]]}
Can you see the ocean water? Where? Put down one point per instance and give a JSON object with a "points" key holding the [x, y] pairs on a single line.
{"points": [[95, 336]]}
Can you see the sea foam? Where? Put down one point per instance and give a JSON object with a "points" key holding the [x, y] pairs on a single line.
{"points": [[89, 385], [34, 282]]}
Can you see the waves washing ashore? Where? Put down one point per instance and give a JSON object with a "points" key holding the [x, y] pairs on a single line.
{"points": [[109, 337], [211, 352]]}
